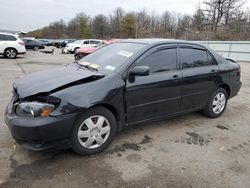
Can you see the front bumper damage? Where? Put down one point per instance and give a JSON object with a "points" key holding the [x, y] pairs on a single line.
{"points": [[40, 133]]}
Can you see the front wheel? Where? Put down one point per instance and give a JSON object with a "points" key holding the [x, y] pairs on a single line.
{"points": [[94, 131], [217, 103]]}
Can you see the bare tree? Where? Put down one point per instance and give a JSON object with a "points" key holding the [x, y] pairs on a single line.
{"points": [[100, 26], [199, 20], [232, 8], [115, 22]]}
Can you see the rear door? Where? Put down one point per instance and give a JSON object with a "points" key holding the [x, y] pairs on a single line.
{"points": [[200, 75], [159, 93]]}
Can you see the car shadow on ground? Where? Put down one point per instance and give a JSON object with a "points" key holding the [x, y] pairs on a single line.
{"points": [[18, 57]]}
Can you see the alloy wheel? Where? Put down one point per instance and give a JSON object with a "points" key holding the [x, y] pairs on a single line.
{"points": [[11, 53]]}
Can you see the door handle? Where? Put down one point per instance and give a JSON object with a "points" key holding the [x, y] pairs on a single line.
{"points": [[213, 70], [175, 77]]}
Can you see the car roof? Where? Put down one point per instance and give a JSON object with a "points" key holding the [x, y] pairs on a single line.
{"points": [[3, 33], [155, 41]]}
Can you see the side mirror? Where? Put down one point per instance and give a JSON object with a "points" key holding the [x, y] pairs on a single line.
{"points": [[139, 71]]}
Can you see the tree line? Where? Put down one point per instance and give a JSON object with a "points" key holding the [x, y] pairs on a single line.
{"points": [[212, 20]]}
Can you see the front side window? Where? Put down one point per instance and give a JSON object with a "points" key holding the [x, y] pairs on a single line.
{"points": [[2, 38], [195, 58], [86, 42], [160, 61]]}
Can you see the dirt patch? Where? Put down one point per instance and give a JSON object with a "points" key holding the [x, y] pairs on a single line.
{"points": [[196, 139], [134, 158], [124, 147], [131, 146], [146, 139], [222, 127]]}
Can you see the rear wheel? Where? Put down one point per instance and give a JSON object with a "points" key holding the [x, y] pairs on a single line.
{"points": [[94, 131], [36, 48], [217, 103], [10, 53], [75, 50]]}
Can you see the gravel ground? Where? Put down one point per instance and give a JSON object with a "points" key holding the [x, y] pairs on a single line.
{"points": [[185, 151]]}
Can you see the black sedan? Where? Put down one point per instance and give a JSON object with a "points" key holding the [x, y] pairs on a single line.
{"points": [[33, 44], [63, 43], [83, 105]]}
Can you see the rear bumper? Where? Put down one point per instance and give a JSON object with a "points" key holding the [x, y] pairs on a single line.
{"points": [[235, 89]]}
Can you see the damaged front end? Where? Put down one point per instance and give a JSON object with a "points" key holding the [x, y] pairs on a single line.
{"points": [[32, 124], [40, 105], [37, 119]]}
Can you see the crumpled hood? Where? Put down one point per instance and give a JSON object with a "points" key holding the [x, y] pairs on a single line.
{"points": [[49, 80]]}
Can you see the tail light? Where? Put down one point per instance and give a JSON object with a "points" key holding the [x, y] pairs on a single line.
{"points": [[21, 43], [239, 71]]}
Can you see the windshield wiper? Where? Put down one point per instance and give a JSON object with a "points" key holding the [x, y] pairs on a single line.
{"points": [[89, 67]]}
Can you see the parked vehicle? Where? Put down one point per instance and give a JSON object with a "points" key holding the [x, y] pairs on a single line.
{"points": [[11, 45], [72, 47], [83, 51], [33, 44], [63, 43], [44, 42], [50, 43], [83, 105]]}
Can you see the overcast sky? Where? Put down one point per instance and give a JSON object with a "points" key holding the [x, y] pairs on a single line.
{"points": [[28, 15]]}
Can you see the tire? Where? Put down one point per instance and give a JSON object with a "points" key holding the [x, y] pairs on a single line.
{"points": [[36, 48], [10, 53], [87, 133], [75, 50], [217, 101]]}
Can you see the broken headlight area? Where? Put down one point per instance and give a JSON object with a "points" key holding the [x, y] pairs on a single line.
{"points": [[36, 106]]}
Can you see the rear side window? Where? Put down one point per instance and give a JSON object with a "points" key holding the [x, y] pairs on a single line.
{"points": [[94, 42], [195, 58], [7, 38], [160, 61], [10, 38]]}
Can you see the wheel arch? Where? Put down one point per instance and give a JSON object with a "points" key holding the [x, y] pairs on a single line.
{"points": [[227, 88], [114, 111], [10, 48]]}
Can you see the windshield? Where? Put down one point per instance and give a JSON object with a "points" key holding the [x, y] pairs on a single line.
{"points": [[111, 57]]}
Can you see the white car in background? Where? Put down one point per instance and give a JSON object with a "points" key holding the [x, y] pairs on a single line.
{"points": [[11, 45], [72, 47]]}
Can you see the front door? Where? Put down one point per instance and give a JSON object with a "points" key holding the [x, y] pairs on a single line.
{"points": [[158, 94]]}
